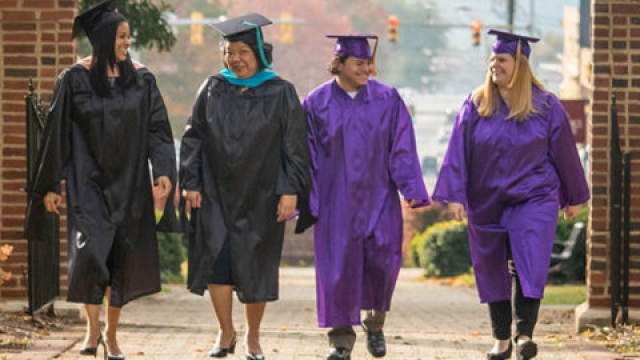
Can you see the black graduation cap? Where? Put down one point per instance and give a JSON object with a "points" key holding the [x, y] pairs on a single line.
{"points": [[246, 28], [241, 24], [91, 21]]}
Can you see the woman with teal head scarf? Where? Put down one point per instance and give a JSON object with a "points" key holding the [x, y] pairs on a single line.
{"points": [[243, 165]]}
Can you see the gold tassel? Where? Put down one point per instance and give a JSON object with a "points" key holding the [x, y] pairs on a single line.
{"points": [[516, 68], [373, 59]]}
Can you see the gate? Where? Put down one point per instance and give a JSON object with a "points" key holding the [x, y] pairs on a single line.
{"points": [[43, 276]]}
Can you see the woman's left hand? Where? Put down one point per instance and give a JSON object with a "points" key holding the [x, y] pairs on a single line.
{"points": [[286, 207], [571, 211], [164, 185]]}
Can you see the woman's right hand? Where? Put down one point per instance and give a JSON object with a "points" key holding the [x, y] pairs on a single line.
{"points": [[456, 211], [193, 198], [52, 202]]}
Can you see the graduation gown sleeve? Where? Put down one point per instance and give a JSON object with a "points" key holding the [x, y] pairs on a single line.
{"points": [[452, 179], [562, 152], [191, 144], [404, 166], [294, 177]]}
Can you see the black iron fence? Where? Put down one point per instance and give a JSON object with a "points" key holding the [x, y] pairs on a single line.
{"points": [[619, 216], [43, 276]]}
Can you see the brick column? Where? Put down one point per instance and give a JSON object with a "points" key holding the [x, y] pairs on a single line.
{"points": [[616, 69], [35, 41]]}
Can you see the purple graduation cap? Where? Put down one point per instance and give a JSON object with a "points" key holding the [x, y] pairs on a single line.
{"points": [[514, 44], [356, 46], [507, 42], [97, 22]]}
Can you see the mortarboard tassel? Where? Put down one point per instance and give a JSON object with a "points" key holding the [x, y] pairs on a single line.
{"points": [[516, 68]]}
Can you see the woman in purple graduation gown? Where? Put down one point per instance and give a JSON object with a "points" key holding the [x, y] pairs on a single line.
{"points": [[363, 151], [510, 166]]}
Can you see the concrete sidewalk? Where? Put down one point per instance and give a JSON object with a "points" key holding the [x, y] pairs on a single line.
{"points": [[427, 321]]}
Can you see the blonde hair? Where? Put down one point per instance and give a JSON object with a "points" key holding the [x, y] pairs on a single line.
{"points": [[486, 97]]}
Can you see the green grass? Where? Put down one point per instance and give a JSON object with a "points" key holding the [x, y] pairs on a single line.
{"points": [[567, 294], [564, 294]]}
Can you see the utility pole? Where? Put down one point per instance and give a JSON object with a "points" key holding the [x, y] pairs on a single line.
{"points": [[510, 13]]}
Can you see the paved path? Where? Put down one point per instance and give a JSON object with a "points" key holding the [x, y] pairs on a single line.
{"points": [[428, 321]]}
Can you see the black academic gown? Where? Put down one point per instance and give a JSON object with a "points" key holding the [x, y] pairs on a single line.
{"points": [[242, 150], [102, 148]]}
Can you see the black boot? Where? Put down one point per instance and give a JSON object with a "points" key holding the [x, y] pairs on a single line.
{"points": [[339, 354], [526, 350], [376, 343]]}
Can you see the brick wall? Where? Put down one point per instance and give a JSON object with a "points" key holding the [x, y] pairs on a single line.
{"points": [[35, 41], [616, 68]]}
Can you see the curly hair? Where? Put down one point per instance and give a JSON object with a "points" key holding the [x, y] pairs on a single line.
{"points": [[333, 64]]}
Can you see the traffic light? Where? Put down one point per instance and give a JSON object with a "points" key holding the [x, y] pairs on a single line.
{"points": [[476, 26], [286, 28], [196, 28], [392, 30]]}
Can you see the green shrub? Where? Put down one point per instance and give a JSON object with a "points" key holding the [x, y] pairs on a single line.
{"points": [[443, 249], [172, 254], [565, 226], [577, 266]]}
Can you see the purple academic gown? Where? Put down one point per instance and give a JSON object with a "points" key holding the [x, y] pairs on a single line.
{"points": [[512, 177], [363, 152]]}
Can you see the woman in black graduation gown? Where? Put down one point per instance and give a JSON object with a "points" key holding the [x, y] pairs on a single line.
{"points": [[243, 163], [106, 121]]}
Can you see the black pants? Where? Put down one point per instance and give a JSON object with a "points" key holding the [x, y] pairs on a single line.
{"points": [[524, 310]]}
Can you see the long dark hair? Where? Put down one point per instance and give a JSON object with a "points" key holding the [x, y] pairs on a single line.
{"points": [[103, 56]]}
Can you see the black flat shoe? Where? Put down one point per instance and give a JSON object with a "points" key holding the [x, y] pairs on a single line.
{"points": [[503, 355], [339, 354], [527, 350], [376, 344], [223, 352]]}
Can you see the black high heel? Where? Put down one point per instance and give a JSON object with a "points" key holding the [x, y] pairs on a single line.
{"points": [[108, 355], [503, 355], [223, 352], [254, 356], [113, 357], [91, 350]]}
